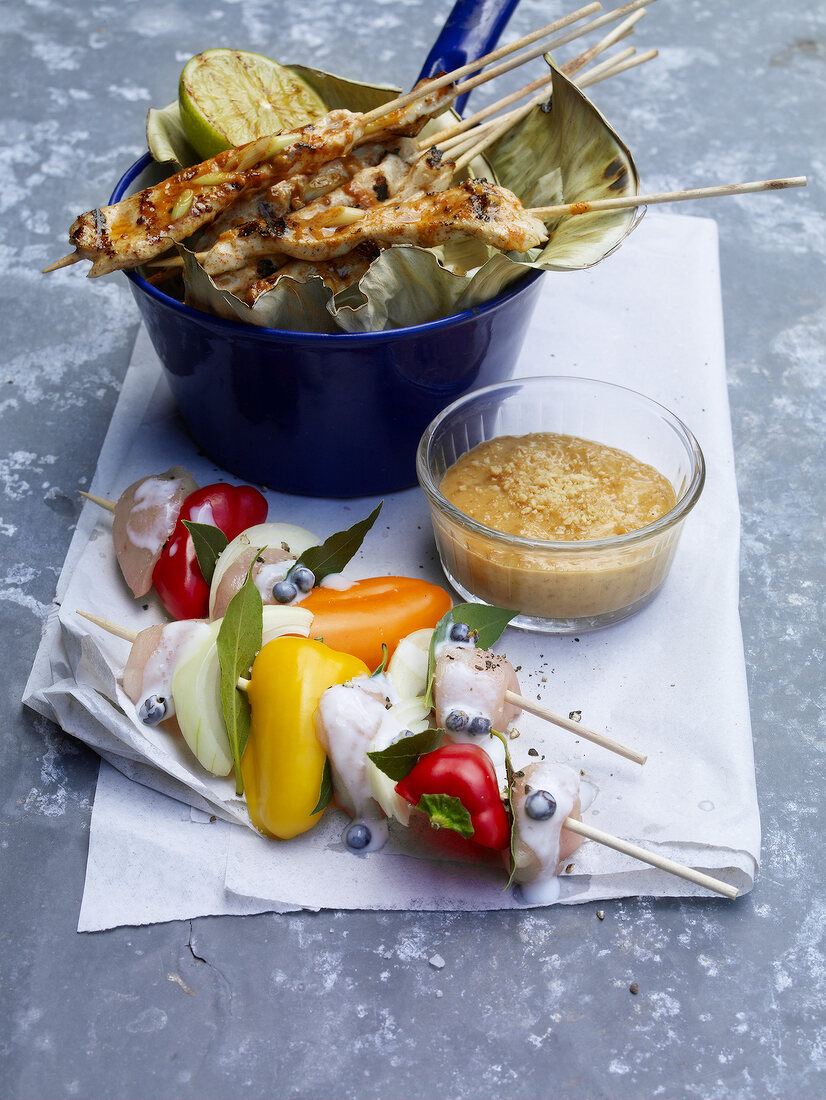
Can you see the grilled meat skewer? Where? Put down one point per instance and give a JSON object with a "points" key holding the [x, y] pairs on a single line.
{"points": [[144, 226], [476, 208], [402, 174]]}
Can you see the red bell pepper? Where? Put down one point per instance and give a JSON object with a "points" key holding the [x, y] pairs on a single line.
{"points": [[177, 576], [462, 772]]}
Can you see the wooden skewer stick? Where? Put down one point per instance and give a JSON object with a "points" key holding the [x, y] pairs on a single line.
{"points": [[492, 131], [569, 68], [575, 727], [623, 202], [444, 139], [670, 865], [613, 66], [582, 80], [454, 147], [110, 627], [626, 27], [603, 71], [65, 261], [473, 66], [561, 40], [109, 505]]}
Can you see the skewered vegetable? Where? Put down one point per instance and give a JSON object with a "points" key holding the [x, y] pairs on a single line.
{"points": [[270, 548], [370, 613], [456, 786], [283, 764], [177, 576]]}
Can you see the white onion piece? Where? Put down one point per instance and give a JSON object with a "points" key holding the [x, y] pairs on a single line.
{"points": [[280, 620], [408, 714], [407, 668], [196, 687]]}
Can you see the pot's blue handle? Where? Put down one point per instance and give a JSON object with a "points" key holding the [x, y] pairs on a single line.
{"points": [[472, 29]]}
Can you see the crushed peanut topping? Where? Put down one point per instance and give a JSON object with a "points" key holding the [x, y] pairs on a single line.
{"points": [[558, 487]]}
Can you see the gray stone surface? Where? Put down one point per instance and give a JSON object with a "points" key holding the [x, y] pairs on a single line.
{"points": [[730, 1000]]}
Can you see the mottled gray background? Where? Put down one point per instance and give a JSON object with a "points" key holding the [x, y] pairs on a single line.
{"points": [[730, 1000]]}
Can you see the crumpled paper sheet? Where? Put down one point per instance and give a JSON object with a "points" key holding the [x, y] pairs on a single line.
{"points": [[670, 681]]}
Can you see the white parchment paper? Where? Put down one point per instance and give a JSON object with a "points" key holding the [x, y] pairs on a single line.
{"points": [[670, 681]]}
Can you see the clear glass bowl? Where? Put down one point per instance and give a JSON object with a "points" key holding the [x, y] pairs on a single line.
{"points": [[560, 587]]}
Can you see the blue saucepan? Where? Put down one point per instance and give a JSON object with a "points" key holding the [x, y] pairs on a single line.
{"points": [[333, 415]]}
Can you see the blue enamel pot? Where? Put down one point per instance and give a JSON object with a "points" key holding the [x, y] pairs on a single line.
{"points": [[333, 415]]}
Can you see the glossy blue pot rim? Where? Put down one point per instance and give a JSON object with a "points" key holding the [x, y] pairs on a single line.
{"points": [[259, 332]]}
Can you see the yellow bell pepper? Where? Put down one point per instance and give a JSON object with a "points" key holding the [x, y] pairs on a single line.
{"points": [[283, 762]]}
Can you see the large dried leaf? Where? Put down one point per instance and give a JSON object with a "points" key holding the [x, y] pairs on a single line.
{"points": [[292, 305], [407, 282], [166, 138], [338, 91], [572, 139]]}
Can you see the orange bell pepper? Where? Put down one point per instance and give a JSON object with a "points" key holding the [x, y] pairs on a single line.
{"points": [[377, 610]]}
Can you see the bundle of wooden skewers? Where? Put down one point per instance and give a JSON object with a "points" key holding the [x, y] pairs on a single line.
{"points": [[316, 215]]}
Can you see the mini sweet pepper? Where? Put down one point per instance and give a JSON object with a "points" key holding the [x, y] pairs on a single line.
{"points": [[377, 610], [283, 763], [464, 773], [177, 576]]}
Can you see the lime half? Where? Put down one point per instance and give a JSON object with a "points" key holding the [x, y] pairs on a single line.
{"points": [[230, 97]]}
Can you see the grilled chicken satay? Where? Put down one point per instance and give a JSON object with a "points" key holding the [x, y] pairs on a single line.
{"points": [[410, 120], [143, 226], [476, 208], [402, 174], [297, 190]]}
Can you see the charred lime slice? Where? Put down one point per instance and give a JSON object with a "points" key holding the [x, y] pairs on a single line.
{"points": [[230, 97]]}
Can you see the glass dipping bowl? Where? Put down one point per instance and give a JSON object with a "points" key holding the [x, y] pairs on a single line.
{"points": [[560, 587]]}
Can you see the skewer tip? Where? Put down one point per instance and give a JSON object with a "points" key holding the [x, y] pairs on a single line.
{"points": [[64, 261], [102, 502]]}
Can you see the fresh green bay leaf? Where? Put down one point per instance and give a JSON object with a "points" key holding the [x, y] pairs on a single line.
{"points": [[447, 812], [511, 810], [208, 542], [398, 760], [326, 791], [336, 551], [380, 669], [239, 640]]}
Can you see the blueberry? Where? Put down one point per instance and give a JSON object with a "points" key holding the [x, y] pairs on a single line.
{"points": [[479, 726], [456, 720], [540, 805], [303, 578], [358, 837], [152, 710], [284, 592], [459, 632]]}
